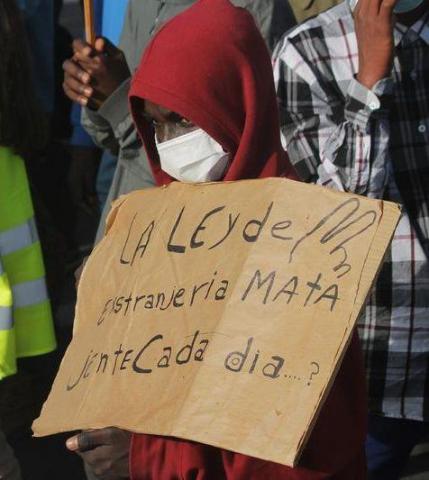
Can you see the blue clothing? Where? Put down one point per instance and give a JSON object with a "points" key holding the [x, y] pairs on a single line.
{"points": [[389, 444], [105, 174], [113, 19], [79, 137], [98, 16], [109, 17], [39, 23]]}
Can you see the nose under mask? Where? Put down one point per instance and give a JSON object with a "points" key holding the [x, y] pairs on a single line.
{"points": [[193, 158]]}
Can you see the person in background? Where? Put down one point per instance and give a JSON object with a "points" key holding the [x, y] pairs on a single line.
{"points": [[89, 178], [49, 45], [39, 25], [353, 89], [99, 79], [241, 135], [113, 20], [84, 165], [26, 327], [84, 154]]}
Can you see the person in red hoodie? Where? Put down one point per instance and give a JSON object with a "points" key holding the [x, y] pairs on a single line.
{"points": [[204, 104]]}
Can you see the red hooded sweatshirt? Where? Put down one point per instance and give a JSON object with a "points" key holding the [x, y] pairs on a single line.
{"points": [[211, 66]]}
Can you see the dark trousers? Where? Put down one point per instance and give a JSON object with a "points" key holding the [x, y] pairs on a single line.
{"points": [[9, 469], [389, 444]]}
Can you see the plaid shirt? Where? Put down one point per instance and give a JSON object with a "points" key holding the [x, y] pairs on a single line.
{"points": [[375, 143]]}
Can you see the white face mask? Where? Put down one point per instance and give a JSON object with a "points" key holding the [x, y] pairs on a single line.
{"points": [[402, 6], [194, 157]]}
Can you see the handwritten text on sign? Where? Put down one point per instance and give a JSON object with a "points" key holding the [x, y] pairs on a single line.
{"points": [[219, 313]]}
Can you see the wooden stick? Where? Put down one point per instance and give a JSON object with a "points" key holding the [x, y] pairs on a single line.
{"points": [[88, 10]]}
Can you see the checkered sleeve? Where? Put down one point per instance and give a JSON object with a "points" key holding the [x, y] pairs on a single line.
{"points": [[329, 136]]}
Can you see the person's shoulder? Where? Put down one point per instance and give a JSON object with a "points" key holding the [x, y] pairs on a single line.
{"points": [[135, 6], [330, 23]]}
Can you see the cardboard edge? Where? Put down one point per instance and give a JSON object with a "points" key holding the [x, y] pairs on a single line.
{"points": [[386, 227]]}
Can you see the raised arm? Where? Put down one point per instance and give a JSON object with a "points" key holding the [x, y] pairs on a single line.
{"points": [[334, 120]]}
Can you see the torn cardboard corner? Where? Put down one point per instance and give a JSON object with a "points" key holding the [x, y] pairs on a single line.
{"points": [[219, 313]]}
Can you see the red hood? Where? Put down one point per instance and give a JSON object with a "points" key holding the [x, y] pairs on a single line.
{"points": [[211, 66]]}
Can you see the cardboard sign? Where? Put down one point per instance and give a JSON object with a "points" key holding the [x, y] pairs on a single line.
{"points": [[219, 313]]}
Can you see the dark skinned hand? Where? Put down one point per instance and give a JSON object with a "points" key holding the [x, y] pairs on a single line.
{"points": [[106, 451], [94, 73]]}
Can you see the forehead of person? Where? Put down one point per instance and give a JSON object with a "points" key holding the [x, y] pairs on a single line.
{"points": [[210, 66]]}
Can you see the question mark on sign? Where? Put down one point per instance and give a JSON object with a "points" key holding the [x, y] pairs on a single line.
{"points": [[315, 371]]}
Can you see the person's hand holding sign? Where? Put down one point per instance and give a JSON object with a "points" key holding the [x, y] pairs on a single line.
{"points": [[105, 451]]}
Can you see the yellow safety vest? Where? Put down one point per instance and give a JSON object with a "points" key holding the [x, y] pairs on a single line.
{"points": [[26, 326]]}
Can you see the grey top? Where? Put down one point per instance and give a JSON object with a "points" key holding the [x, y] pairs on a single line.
{"points": [[111, 127]]}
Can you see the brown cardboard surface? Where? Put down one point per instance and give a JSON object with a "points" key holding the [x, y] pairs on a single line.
{"points": [[219, 313]]}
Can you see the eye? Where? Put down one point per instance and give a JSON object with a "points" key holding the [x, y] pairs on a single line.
{"points": [[178, 119], [186, 123], [146, 116]]}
